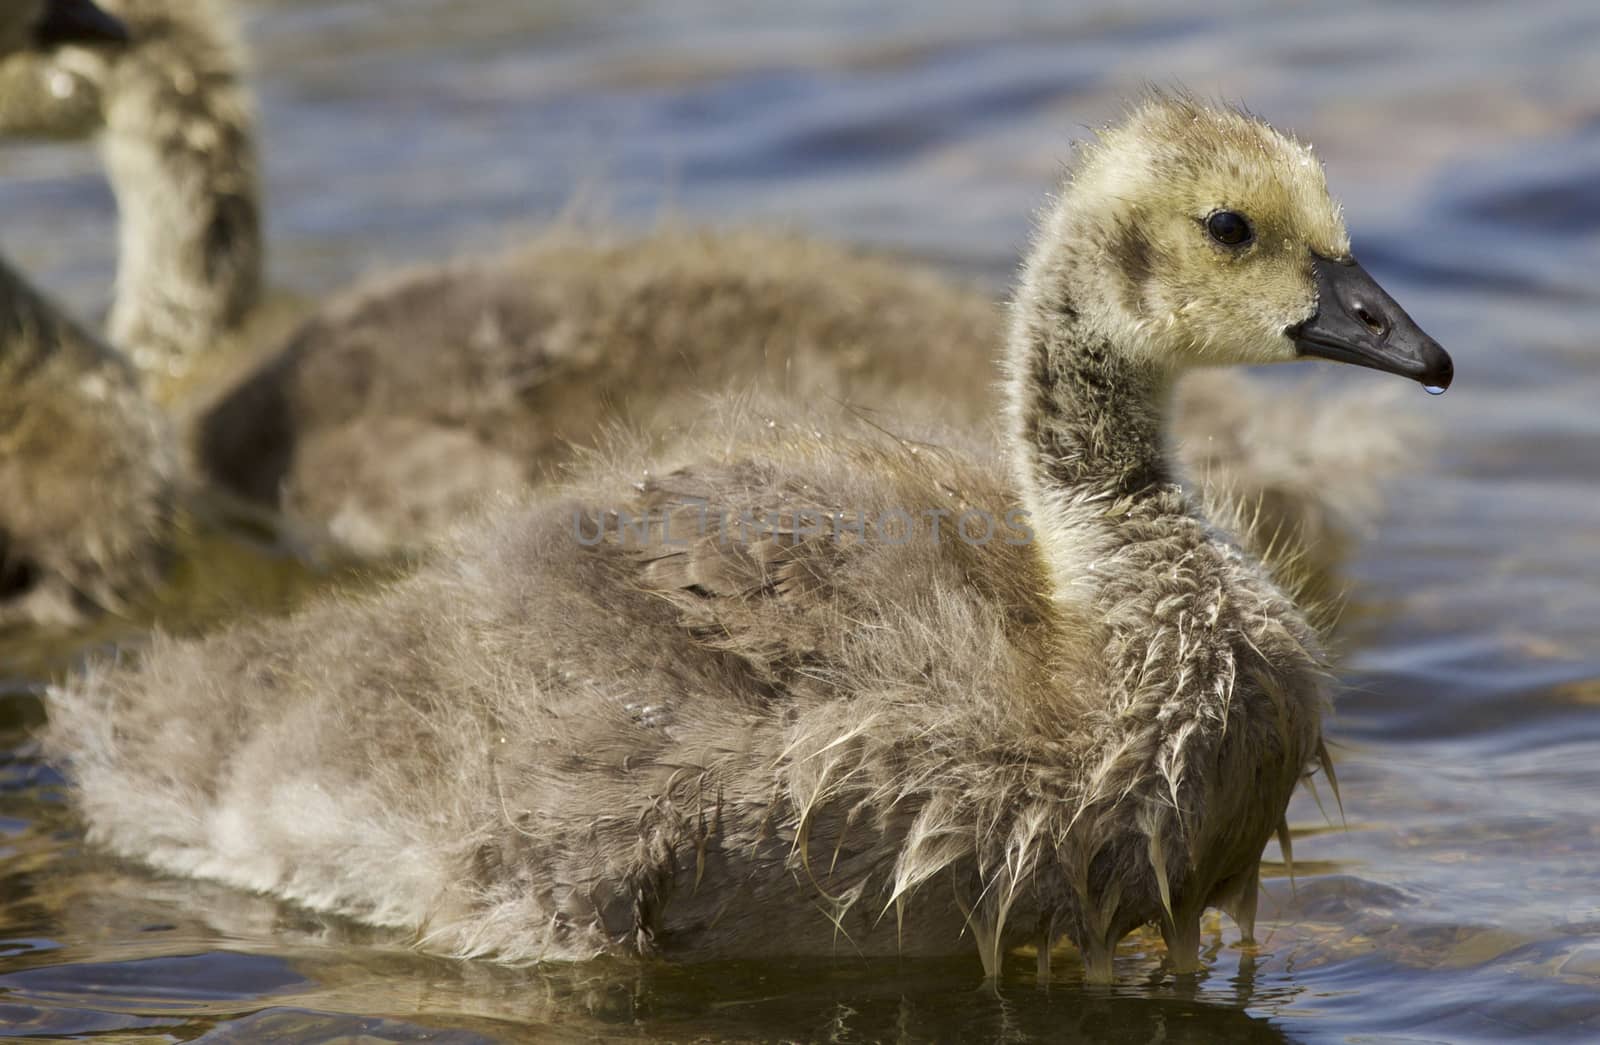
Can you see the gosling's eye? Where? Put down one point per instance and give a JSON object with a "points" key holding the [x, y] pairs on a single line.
{"points": [[1230, 228]]}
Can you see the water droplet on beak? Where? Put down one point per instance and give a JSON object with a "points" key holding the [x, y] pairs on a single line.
{"points": [[1433, 390]]}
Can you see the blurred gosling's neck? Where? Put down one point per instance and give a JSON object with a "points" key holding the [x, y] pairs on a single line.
{"points": [[181, 155]]}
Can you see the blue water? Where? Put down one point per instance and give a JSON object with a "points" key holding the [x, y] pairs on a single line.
{"points": [[1458, 899]]}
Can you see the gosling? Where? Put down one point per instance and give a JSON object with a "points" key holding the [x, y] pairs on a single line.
{"points": [[88, 466], [574, 735]]}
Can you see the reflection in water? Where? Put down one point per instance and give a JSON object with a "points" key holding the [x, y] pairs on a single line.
{"points": [[1455, 896], [327, 978]]}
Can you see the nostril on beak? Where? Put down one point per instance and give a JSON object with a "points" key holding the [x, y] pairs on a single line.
{"points": [[1373, 323]]}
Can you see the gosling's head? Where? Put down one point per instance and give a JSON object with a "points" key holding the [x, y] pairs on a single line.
{"points": [[27, 25], [47, 89], [1194, 236]]}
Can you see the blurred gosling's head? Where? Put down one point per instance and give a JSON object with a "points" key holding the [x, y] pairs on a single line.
{"points": [[1191, 235], [38, 25]]}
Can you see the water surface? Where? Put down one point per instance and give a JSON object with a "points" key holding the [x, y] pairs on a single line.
{"points": [[1456, 899]]}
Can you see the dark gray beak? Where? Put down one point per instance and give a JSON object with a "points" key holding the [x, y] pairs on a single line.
{"points": [[1358, 322], [77, 22]]}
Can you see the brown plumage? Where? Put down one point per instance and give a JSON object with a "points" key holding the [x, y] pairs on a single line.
{"points": [[566, 736], [88, 468], [514, 362]]}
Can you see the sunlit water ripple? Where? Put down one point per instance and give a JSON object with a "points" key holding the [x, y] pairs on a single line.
{"points": [[1456, 897]]}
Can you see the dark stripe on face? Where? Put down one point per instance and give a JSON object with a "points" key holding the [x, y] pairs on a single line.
{"points": [[1131, 258]]}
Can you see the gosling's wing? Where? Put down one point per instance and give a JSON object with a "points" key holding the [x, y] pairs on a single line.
{"points": [[800, 567], [752, 569]]}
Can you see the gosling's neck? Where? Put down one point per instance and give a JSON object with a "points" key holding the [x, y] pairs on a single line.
{"points": [[1088, 422], [181, 156]]}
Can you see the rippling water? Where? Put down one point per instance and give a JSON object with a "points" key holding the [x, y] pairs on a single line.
{"points": [[1457, 898]]}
